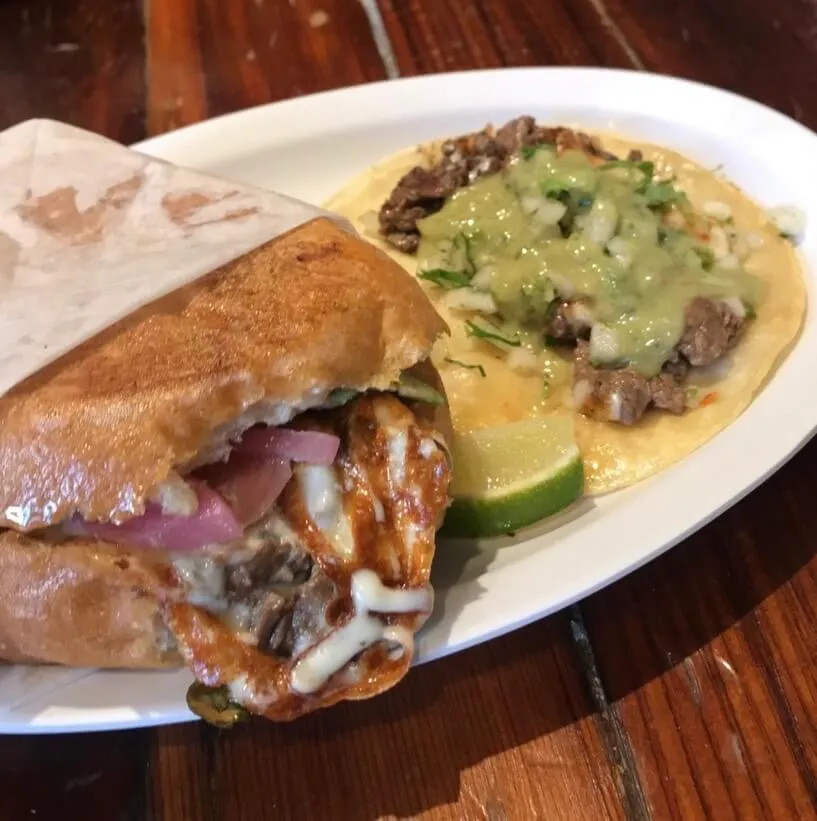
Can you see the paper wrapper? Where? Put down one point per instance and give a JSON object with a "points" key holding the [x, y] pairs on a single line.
{"points": [[91, 231]]}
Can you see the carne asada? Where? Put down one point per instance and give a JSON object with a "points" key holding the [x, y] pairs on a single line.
{"points": [[545, 231]]}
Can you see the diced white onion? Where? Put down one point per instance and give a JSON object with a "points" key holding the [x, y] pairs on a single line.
{"points": [[600, 223], [441, 349], [754, 240], [530, 204], [614, 407], [482, 279], [564, 287], [788, 219], [730, 262], [523, 360], [370, 223], [581, 392], [543, 209], [735, 305], [465, 299], [582, 313], [717, 210], [740, 245], [550, 212], [620, 250], [604, 347], [719, 242]]}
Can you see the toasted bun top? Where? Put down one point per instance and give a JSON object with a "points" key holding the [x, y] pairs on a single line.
{"points": [[261, 338]]}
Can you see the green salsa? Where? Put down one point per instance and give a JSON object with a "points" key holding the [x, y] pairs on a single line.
{"points": [[553, 227]]}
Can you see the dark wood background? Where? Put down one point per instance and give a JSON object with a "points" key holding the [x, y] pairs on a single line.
{"points": [[686, 691]]}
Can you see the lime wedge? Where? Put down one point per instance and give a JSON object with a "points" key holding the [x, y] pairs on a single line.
{"points": [[510, 476]]}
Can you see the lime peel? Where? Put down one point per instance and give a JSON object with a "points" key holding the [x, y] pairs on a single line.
{"points": [[512, 476]]}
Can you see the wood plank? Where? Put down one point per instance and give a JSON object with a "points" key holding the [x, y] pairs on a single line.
{"points": [[447, 35], [208, 57], [57, 778], [502, 731], [710, 655], [765, 51], [79, 61]]}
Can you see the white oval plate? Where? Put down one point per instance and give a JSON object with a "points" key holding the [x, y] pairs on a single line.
{"points": [[308, 148]]}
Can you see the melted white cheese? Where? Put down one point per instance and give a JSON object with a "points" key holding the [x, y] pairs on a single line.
{"points": [[204, 577], [321, 493], [402, 637], [428, 447], [343, 538], [398, 447], [242, 691], [324, 503], [316, 666], [410, 537], [379, 510], [369, 593]]}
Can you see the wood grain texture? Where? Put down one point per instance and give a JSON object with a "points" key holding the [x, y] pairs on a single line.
{"points": [[447, 35], [756, 48], [98, 777], [208, 57], [79, 61], [503, 731], [710, 655]]}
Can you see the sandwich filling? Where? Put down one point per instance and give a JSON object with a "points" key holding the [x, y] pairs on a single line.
{"points": [[301, 561]]}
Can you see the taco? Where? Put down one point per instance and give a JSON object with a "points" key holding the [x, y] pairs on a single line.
{"points": [[618, 282]]}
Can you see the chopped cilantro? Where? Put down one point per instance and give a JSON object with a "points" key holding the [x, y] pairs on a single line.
{"points": [[340, 396], [646, 167], [555, 187], [658, 193], [472, 329], [706, 256], [444, 278], [528, 151], [662, 194], [478, 368]]}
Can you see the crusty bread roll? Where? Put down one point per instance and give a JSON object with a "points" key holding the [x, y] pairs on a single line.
{"points": [[259, 340]]}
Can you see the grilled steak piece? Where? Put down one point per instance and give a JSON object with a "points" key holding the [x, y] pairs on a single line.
{"points": [[568, 322], [712, 329], [621, 394], [608, 394], [667, 393], [423, 191], [419, 193]]}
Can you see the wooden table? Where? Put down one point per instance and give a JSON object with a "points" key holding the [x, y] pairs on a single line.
{"points": [[687, 691]]}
